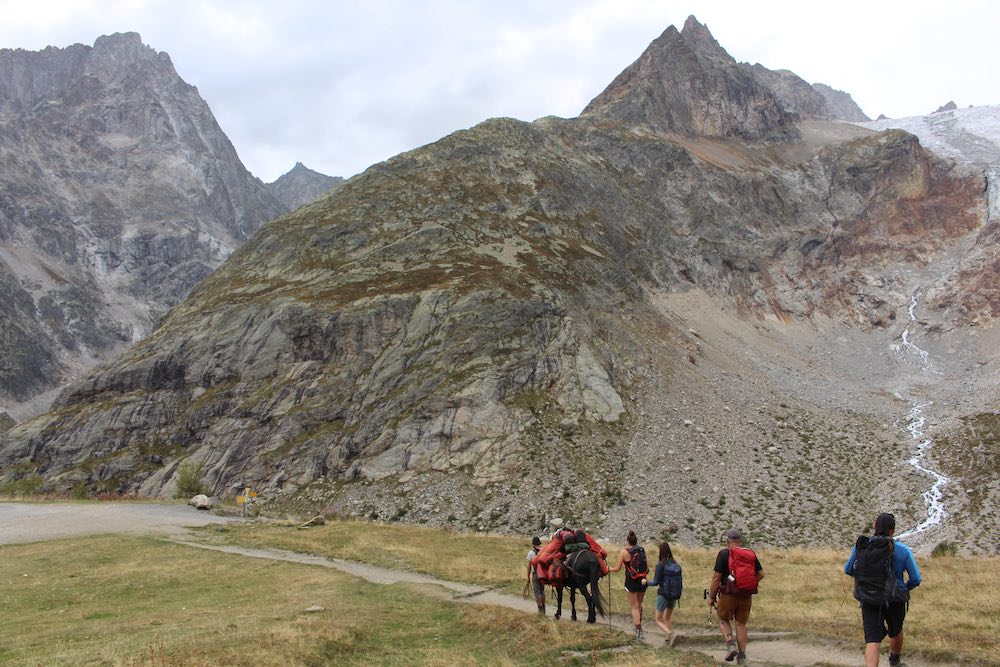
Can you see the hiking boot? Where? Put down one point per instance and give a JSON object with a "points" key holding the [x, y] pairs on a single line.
{"points": [[741, 658], [733, 651], [895, 661], [673, 639], [638, 632]]}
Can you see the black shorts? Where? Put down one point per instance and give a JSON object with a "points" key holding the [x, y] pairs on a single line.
{"points": [[634, 585], [880, 621]]}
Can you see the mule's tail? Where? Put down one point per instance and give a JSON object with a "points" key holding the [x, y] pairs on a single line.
{"points": [[595, 589]]}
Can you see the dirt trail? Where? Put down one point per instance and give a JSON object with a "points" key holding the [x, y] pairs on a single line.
{"points": [[784, 649], [29, 522]]}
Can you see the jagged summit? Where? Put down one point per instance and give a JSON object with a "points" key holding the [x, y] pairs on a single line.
{"points": [[950, 106], [686, 83]]}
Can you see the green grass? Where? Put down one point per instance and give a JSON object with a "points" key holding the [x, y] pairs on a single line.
{"points": [[114, 600]]}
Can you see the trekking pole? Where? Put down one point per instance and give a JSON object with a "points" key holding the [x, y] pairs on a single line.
{"points": [[610, 629], [705, 597]]}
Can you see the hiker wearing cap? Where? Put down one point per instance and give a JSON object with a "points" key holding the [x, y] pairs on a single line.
{"points": [[633, 558], [536, 586], [877, 565], [734, 582]]}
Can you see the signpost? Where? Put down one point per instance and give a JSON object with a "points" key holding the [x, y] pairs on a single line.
{"points": [[246, 499]]}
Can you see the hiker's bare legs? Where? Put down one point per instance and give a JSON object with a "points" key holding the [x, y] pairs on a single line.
{"points": [[663, 619], [871, 654], [896, 643], [635, 602], [727, 629], [741, 636], [661, 623]]}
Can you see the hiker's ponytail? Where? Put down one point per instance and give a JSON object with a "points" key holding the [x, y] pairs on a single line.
{"points": [[631, 538], [884, 524]]}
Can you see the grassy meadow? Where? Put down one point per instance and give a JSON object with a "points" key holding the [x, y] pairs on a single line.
{"points": [[954, 615], [114, 600]]}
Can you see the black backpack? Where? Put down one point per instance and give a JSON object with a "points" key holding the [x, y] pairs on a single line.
{"points": [[637, 567], [673, 581], [875, 581]]}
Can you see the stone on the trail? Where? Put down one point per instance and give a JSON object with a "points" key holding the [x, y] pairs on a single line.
{"points": [[201, 502], [313, 609], [555, 523]]}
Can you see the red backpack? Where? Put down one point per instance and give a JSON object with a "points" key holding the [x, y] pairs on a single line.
{"points": [[742, 567]]}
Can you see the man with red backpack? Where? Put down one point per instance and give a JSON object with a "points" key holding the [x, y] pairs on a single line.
{"points": [[734, 582]]}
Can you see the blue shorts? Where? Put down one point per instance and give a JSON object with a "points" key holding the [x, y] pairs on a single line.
{"points": [[662, 603]]}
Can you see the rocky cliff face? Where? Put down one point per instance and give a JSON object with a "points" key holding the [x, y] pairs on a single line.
{"points": [[794, 93], [119, 192], [302, 185], [636, 317], [840, 104]]}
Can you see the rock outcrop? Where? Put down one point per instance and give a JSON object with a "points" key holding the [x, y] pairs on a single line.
{"points": [[840, 104], [794, 93], [119, 192]]}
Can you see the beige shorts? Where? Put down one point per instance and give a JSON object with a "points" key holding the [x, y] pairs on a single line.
{"points": [[734, 607]]}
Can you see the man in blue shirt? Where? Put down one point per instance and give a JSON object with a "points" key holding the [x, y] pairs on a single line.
{"points": [[881, 620]]}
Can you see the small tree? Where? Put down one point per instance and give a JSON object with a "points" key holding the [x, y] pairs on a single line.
{"points": [[189, 480]]}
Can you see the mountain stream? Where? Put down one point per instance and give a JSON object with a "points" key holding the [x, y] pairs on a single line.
{"points": [[916, 422]]}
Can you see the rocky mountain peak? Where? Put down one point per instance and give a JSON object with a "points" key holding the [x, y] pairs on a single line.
{"points": [[126, 43], [950, 106], [301, 185], [698, 35], [686, 83], [119, 192]]}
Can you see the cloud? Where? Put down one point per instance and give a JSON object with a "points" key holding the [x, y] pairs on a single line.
{"points": [[341, 85]]}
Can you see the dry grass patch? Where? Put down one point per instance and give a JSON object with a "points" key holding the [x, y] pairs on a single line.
{"points": [[141, 601], [954, 615]]}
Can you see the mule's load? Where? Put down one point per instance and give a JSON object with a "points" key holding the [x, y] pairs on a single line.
{"points": [[549, 561]]}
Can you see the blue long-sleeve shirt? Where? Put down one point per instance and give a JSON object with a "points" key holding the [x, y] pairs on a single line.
{"points": [[902, 561]]}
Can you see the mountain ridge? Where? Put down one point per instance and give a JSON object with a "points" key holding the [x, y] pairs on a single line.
{"points": [[523, 320]]}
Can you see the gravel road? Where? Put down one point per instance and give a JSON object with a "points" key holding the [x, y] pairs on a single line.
{"points": [[35, 522]]}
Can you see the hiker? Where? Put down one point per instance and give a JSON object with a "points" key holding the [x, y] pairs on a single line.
{"points": [[877, 565], [536, 586], [734, 581], [667, 579], [633, 558]]}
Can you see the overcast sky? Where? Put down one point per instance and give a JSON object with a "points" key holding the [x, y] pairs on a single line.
{"points": [[342, 84]]}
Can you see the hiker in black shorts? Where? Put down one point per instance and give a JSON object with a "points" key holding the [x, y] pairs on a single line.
{"points": [[635, 586], [883, 617]]}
